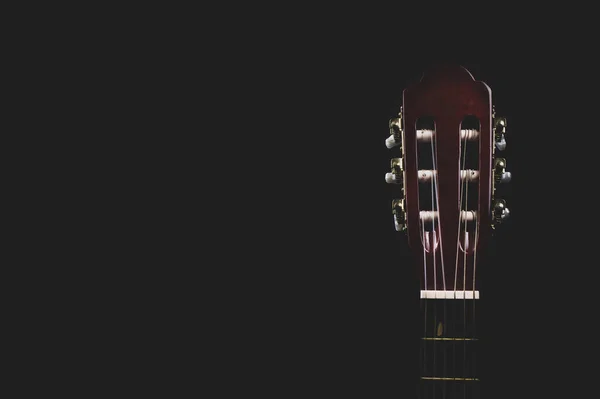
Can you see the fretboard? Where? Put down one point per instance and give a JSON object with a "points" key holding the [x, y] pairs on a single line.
{"points": [[449, 344]]}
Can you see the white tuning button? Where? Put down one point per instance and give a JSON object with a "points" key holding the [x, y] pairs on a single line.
{"points": [[391, 142], [392, 178], [501, 144], [399, 226], [505, 177], [395, 176]]}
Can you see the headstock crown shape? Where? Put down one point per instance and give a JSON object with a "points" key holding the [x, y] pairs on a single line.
{"points": [[448, 137]]}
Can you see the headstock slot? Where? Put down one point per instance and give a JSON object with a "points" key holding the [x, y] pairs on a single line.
{"points": [[469, 164], [427, 173], [469, 142], [469, 186]]}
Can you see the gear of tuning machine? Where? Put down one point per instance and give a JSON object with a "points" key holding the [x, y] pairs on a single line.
{"points": [[499, 132], [396, 174], [500, 211], [398, 209], [501, 175], [395, 138]]}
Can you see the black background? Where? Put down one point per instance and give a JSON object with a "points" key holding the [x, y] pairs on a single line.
{"points": [[286, 276], [233, 233]]}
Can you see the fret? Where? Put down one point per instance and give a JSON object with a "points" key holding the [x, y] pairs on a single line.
{"points": [[448, 349], [449, 359], [449, 379]]}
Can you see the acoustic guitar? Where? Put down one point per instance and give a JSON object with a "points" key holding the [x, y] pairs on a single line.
{"points": [[448, 167]]}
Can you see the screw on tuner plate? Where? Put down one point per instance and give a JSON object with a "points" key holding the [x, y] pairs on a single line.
{"points": [[395, 138], [500, 211], [399, 214]]}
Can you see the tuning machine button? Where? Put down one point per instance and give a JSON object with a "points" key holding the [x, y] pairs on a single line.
{"points": [[398, 209], [395, 138], [500, 211], [499, 132], [396, 175], [500, 173]]}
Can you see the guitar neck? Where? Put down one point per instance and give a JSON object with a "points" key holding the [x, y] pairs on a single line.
{"points": [[449, 343], [447, 165]]}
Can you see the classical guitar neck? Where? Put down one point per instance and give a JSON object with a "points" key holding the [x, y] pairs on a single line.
{"points": [[448, 141]]}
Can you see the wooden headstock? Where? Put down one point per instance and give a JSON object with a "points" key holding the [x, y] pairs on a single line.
{"points": [[448, 134]]}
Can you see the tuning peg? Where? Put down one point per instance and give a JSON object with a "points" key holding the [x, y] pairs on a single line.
{"points": [[395, 138], [499, 132], [399, 214], [501, 212], [395, 177], [500, 173]]}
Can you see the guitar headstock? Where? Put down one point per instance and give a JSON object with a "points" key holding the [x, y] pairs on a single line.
{"points": [[448, 167]]}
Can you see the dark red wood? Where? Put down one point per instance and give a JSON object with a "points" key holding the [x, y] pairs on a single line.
{"points": [[448, 94]]}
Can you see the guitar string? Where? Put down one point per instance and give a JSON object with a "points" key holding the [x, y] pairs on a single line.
{"points": [[474, 331], [433, 251], [424, 342], [423, 368], [424, 302], [437, 200], [463, 152], [431, 243], [466, 235], [438, 234], [476, 239], [473, 300]]}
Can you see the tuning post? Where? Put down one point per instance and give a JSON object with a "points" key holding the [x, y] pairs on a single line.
{"points": [[501, 212], [398, 209], [395, 138], [396, 175], [500, 173], [499, 132]]}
